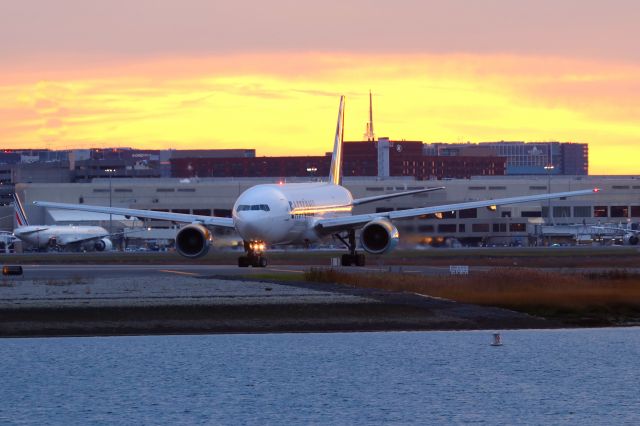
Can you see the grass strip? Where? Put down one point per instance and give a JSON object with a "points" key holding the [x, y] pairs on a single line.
{"points": [[604, 298]]}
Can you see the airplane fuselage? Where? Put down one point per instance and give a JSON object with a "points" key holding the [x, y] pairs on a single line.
{"points": [[42, 236], [287, 213]]}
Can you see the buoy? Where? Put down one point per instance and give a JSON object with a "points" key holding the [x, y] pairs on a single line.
{"points": [[497, 340]]}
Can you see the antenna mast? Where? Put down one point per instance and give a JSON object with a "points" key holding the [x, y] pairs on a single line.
{"points": [[369, 135]]}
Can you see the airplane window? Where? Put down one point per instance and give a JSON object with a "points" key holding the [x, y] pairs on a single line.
{"points": [[264, 207], [243, 207], [255, 207]]}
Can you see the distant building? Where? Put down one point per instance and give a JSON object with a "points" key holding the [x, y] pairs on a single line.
{"points": [[382, 158], [524, 158]]}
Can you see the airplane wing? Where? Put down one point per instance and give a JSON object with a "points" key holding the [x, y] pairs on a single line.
{"points": [[355, 221], [359, 201], [66, 240], [224, 222], [613, 228]]}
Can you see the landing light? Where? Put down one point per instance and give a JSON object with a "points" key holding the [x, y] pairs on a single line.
{"points": [[257, 246]]}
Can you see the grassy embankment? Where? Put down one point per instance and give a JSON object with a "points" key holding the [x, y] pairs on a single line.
{"points": [[598, 299], [564, 257]]}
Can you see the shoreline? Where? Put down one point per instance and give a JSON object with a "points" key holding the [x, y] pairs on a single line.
{"points": [[111, 321], [205, 305], [143, 300]]}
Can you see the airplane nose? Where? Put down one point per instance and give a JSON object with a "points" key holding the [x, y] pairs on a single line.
{"points": [[252, 227]]}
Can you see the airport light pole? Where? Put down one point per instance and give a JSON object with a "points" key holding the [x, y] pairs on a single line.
{"points": [[549, 168], [110, 172]]}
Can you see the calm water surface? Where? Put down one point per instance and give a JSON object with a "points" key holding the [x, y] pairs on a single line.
{"points": [[537, 377]]}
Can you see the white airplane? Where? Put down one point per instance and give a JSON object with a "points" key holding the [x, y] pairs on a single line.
{"points": [[630, 236], [57, 236], [301, 213]]}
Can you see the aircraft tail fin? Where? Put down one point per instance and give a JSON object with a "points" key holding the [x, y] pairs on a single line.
{"points": [[335, 174], [21, 217]]}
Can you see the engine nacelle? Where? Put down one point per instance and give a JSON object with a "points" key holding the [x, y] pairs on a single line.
{"points": [[379, 236], [631, 239], [104, 244], [193, 241]]}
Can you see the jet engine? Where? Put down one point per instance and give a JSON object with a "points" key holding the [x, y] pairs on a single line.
{"points": [[631, 239], [379, 236], [193, 241], [104, 244]]}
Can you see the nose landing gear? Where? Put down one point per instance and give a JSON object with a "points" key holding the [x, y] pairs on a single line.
{"points": [[254, 256]]}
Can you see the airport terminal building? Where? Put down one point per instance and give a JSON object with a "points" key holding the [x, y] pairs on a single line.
{"points": [[520, 224]]}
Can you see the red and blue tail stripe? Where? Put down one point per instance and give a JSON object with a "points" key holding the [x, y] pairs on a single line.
{"points": [[21, 217]]}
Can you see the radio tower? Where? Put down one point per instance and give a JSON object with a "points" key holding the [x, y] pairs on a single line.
{"points": [[369, 135]]}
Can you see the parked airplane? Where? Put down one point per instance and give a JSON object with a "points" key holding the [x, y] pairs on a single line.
{"points": [[630, 236], [57, 236], [299, 213]]}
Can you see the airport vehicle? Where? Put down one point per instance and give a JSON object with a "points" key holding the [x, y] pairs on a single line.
{"points": [[301, 213], [58, 237]]}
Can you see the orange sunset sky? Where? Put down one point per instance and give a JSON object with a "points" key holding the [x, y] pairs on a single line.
{"points": [[267, 75]]}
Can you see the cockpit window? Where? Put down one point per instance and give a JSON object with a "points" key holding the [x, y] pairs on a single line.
{"points": [[245, 207]]}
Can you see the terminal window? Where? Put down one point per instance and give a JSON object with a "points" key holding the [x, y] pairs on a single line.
{"points": [[582, 211], [468, 214], [619, 211], [499, 227], [222, 212], [480, 227], [517, 227], [600, 211], [447, 227], [531, 213], [635, 211], [561, 211], [449, 215]]}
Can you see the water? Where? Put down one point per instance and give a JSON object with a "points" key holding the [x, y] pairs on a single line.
{"points": [[537, 377]]}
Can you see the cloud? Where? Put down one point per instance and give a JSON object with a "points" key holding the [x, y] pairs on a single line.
{"points": [[285, 104]]}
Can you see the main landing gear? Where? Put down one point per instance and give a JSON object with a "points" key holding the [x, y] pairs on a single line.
{"points": [[254, 257], [353, 258]]}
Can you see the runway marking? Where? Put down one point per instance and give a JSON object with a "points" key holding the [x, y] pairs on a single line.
{"points": [[178, 272], [286, 270]]}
